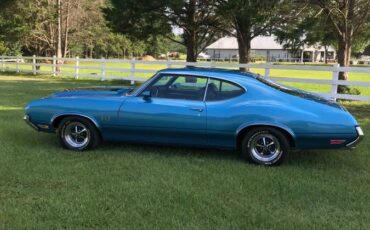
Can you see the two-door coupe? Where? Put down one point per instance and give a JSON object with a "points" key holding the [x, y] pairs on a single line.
{"points": [[198, 107]]}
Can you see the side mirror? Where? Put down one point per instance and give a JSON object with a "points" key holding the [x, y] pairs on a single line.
{"points": [[146, 94]]}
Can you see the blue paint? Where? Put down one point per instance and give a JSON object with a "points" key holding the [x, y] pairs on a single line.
{"points": [[121, 114]]}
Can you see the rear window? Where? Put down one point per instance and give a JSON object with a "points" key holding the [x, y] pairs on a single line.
{"points": [[290, 90]]}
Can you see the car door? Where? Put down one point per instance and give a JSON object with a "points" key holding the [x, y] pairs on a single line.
{"points": [[223, 113], [169, 110]]}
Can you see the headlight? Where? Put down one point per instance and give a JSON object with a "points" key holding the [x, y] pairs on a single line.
{"points": [[359, 131]]}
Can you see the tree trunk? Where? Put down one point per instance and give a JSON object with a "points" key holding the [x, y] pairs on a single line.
{"points": [[66, 31], [344, 57], [191, 55], [59, 39], [244, 43], [190, 36], [326, 54]]}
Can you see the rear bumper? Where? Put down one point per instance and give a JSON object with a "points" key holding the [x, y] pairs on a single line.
{"points": [[360, 136], [26, 118]]}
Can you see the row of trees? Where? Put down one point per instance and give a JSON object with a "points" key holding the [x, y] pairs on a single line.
{"points": [[66, 28], [342, 23], [95, 28]]}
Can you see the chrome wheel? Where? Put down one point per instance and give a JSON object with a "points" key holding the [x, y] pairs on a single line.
{"points": [[76, 135], [265, 147]]}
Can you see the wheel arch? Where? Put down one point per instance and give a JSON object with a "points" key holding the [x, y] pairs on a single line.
{"points": [[248, 127], [55, 120]]}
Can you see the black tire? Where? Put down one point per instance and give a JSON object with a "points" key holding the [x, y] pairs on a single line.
{"points": [[89, 139], [265, 146]]}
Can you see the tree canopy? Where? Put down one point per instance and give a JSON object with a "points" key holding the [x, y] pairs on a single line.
{"points": [[32, 27], [148, 19], [125, 28]]}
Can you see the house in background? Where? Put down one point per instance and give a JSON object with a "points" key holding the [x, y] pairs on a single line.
{"points": [[269, 49]]}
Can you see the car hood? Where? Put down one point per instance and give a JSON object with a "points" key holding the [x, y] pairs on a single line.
{"points": [[98, 91]]}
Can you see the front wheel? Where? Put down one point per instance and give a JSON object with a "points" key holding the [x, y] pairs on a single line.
{"points": [[265, 146], [77, 133]]}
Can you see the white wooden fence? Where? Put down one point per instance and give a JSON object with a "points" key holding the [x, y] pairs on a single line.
{"points": [[131, 70]]}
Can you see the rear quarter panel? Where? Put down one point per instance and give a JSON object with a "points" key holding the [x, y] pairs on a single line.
{"points": [[311, 124]]}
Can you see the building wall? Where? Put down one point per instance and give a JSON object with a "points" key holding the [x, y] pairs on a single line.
{"points": [[229, 53], [222, 53]]}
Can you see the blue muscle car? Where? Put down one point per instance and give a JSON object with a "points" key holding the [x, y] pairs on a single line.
{"points": [[198, 107]]}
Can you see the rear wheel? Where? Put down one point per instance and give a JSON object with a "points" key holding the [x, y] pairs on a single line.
{"points": [[265, 146], [77, 133]]}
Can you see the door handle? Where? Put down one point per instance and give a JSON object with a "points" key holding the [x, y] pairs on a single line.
{"points": [[197, 109]]}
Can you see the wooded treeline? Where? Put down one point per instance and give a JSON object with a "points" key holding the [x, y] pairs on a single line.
{"points": [[67, 28], [121, 28]]}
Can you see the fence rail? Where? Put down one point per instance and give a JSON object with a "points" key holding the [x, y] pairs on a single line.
{"points": [[134, 68]]}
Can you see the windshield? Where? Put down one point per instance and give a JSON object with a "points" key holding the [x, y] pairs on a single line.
{"points": [[139, 88]]}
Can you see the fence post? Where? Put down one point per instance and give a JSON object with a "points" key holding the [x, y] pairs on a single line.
{"points": [[34, 65], [17, 64], [133, 71], [213, 64], [267, 71], [54, 67], [168, 64], [2, 64], [77, 64], [102, 69], [334, 84]]}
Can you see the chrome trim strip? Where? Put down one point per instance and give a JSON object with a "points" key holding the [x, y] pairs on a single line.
{"points": [[206, 90], [359, 138]]}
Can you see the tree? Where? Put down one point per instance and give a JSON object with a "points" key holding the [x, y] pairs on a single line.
{"points": [[198, 20], [13, 28], [149, 19], [248, 19], [291, 36], [305, 29], [349, 19], [360, 43]]}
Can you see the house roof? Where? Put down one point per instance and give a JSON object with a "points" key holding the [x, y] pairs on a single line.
{"points": [[260, 42], [257, 43]]}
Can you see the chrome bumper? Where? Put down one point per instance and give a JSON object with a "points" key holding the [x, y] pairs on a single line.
{"points": [[26, 118], [359, 138]]}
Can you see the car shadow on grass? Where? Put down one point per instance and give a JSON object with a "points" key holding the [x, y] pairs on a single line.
{"points": [[168, 150], [306, 158]]}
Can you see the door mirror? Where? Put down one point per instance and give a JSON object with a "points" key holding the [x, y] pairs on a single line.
{"points": [[146, 94]]}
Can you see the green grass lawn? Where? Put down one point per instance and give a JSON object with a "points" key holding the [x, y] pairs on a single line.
{"points": [[127, 186]]}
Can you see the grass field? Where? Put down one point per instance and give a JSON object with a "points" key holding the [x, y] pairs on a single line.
{"points": [[126, 186]]}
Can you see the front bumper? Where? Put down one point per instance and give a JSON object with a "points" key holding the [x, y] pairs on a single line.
{"points": [[26, 118], [360, 136]]}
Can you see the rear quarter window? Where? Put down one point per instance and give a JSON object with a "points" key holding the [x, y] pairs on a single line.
{"points": [[219, 90]]}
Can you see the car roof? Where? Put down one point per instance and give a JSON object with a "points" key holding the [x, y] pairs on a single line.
{"points": [[226, 74]]}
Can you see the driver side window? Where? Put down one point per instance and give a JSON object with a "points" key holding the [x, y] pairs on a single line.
{"points": [[178, 87]]}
